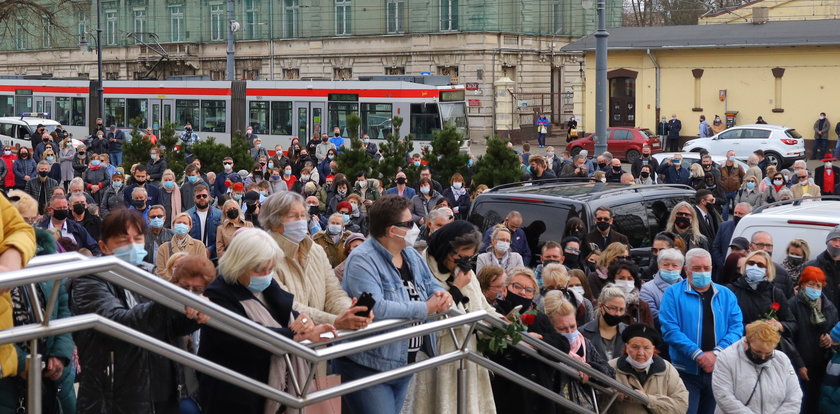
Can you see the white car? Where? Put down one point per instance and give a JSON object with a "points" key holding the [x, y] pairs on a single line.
{"points": [[781, 145], [17, 131]]}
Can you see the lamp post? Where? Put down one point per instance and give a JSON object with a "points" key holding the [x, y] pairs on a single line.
{"points": [[601, 36], [233, 27], [83, 45]]}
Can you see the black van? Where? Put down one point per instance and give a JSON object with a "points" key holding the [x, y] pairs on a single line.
{"points": [[640, 211]]}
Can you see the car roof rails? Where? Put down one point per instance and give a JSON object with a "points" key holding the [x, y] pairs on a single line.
{"points": [[638, 189], [796, 202], [558, 180]]}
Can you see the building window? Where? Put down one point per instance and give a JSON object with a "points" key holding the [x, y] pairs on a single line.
{"points": [[396, 16], [560, 14], [139, 24], [451, 71], [291, 18], [83, 25], [213, 118], [448, 15], [342, 73], [217, 21], [111, 27], [395, 71], [47, 34], [20, 36], [217, 75], [251, 19], [342, 17], [176, 23], [112, 75], [291, 74]]}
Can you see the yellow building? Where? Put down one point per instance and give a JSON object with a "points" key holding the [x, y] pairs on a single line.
{"points": [[787, 72], [763, 11]]}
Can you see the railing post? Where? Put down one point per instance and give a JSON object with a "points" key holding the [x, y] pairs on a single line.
{"points": [[33, 389], [462, 386]]}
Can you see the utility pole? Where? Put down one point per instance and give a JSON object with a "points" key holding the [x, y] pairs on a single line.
{"points": [[601, 79], [232, 27], [100, 89]]}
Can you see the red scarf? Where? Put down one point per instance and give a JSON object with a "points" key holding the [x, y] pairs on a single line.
{"points": [[290, 182], [778, 187]]}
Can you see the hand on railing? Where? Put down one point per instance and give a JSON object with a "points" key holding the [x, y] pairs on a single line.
{"points": [[439, 302], [349, 319], [194, 314], [306, 330], [54, 369]]}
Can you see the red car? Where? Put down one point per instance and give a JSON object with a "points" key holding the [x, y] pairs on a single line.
{"points": [[624, 143]]}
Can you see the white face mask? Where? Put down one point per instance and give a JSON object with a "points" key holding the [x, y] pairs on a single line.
{"points": [[577, 289], [626, 285], [362, 184], [639, 365], [410, 236], [295, 230], [502, 246]]}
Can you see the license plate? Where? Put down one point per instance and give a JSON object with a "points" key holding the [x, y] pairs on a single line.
{"points": [[655, 144]]}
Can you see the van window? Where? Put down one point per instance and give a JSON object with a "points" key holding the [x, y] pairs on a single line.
{"points": [[7, 130], [23, 132]]}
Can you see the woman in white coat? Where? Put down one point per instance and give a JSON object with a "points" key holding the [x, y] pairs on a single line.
{"points": [[751, 376], [499, 253]]}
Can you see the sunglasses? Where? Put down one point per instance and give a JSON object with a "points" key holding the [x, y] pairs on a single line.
{"points": [[405, 224], [157, 216], [754, 263], [201, 196], [603, 219]]}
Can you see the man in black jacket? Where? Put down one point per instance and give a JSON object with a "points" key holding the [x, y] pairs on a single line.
{"points": [[645, 159], [57, 216], [91, 223], [674, 128], [829, 262], [602, 235], [539, 168]]}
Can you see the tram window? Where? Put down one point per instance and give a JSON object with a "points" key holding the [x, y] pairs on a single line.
{"points": [[62, 110], [281, 118], [115, 112], [187, 110], [376, 120], [424, 120], [258, 117], [136, 110], [338, 113], [213, 117], [77, 112], [7, 106]]}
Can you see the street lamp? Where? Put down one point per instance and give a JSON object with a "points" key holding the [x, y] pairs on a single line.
{"points": [[84, 47], [600, 74]]}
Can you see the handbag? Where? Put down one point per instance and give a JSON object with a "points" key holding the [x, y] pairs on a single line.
{"points": [[332, 406]]}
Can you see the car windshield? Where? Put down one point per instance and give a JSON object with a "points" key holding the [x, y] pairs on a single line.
{"points": [[793, 134]]}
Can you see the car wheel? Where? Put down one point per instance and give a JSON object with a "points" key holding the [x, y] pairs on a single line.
{"points": [[576, 151], [773, 159], [632, 156]]}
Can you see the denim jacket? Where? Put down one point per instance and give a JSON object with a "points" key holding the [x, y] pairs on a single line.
{"points": [[369, 269]]}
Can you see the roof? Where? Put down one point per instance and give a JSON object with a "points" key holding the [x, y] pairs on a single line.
{"points": [[781, 33]]}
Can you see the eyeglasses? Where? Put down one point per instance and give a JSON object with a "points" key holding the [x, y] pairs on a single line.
{"points": [[202, 196], [518, 287], [615, 309], [572, 250], [754, 263], [602, 219], [405, 224], [764, 245], [227, 163], [156, 216]]}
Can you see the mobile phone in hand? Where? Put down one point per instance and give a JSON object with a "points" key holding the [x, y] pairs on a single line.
{"points": [[365, 299]]}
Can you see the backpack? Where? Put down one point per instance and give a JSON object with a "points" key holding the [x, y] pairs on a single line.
{"points": [[708, 130]]}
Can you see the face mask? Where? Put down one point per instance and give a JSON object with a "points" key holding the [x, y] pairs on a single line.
{"points": [[304, 177], [330, 156], [828, 165], [6, 152], [834, 252], [362, 184], [736, 219], [645, 155], [416, 163], [822, 117], [571, 337], [571, 259], [603, 180], [156, 222], [794, 259], [334, 229], [682, 222], [153, 156], [232, 214], [626, 285], [644, 174], [778, 182], [275, 177], [237, 196], [617, 169], [60, 214], [701, 279], [24, 155], [132, 253], [139, 181], [79, 208], [354, 207], [577, 289], [287, 172], [263, 193], [401, 180], [180, 229], [457, 185], [295, 230], [336, 134], [610, 320], [366, 141], [138, 204], [169, 185], [601, 165], [50, 158], [754, 274], [258, 284], [470, 163], [117, 184], [602, 225], [502, 246], [228, 167], [424, 190], [516, 300], [641, 366], [410, 236], [43, 173], [549, 154], [750, 185], [313, 210], [755, 359], [812, 294], [192, 178], [670, 276]]}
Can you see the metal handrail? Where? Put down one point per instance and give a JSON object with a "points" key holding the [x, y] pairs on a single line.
{"points": [[71, 265]]}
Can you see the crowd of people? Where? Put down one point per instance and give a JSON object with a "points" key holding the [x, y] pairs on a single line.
{"points": [[712, 324]]}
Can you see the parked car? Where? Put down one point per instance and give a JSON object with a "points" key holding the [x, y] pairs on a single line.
{"points": [[641, 211], [16, 131], [623, 143], [781, 145], [689, 158], [810, 219]]}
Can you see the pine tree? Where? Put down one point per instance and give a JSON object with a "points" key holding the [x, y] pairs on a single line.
{"points": [[211, 154], [174, 156], [136, 150], [445, 157], [499, 165], [354, 159], [394, 153]]}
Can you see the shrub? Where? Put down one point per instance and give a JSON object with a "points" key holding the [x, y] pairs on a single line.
{"points": [[354, 159], [499, 165], [394, 153], [445, 157]]}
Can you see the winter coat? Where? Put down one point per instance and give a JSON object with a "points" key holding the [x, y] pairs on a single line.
{"points": [[66, 156], [511, 258], [806, 336], [460, 205], [664, 388], [752, 197], [155, 169], [118, 377], [756, 303], [33, 187], [78, 231], [257, 152], [720, 245], [111, 200], [731, 179], [98, 146], [422, 206], [119, 140], [311, 279], [831, 268], [651, 292], [154, 241], [735, 377], [371, 192], [8, 162], [22, 168], [821, 132], [214, 218], [334, 250], [80, 165], [14, 232], [98, 176]]}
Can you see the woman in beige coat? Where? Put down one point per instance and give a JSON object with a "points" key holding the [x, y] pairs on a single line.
{"points": [[641, 369], [232, 220], [181, 242], [450, 250]]}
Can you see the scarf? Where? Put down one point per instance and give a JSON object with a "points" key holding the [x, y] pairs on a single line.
{"points": [[181, 242], [778, 187], [601, 274], [175, 200], [577, 349], [503, 262], [459, 193], [817, 317], [793, 270]]}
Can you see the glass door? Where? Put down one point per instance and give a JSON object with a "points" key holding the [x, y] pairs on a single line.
{"points": [[301, 121], [317, 114]]}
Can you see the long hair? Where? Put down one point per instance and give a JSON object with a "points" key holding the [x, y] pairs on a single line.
{"points": [[695, 226]]}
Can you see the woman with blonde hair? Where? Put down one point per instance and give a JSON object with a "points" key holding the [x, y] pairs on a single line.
{"points": [[797, 254], [171, 264], [683, 222], [599, 278], [181, 242], [758, 296], [170, 196], [232, 221], [556, 277]]}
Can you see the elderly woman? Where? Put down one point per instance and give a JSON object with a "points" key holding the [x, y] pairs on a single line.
{"points": [[113, 196], [556, 277], [55, 167], [332, 239], [798, 253], [751, 376], [492, 281], [683, 222], [641, 368], [232, 221], [305, 270], [816, 316], [757, 294], [605, 331], [170, 195], [499, 252], [669, 263], [246, 286], [448, 256], [749, 193], [96, 178], [181, 242], [600, 277], [520, 289]]}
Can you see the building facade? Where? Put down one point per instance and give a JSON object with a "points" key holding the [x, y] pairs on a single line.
{"points": [[475, 42], [762, 11]]}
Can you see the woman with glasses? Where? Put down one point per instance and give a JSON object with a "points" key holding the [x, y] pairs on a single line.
{"points": [[683, 223], [499, 253], [520, 289], [641, 368], [232, 221], [752, 376], [605, 331]]}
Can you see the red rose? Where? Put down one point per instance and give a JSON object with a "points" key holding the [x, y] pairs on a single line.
{"points": [[775, 306], [528, 318]]}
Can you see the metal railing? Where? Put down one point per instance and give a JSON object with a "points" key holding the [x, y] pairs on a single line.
{"points": [[71, 265]]}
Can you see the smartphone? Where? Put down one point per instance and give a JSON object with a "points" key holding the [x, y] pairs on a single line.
{"points": [[365, 299]]}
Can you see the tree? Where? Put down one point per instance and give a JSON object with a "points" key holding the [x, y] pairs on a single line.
{"points": [[354, 159], [37, 15], [499, 165], [445, 157], [394, 153], [170, 151], [211, 154]]}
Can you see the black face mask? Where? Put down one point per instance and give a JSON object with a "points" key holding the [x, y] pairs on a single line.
{"points": [[313, 211], [139, 182], [401, 181], [755, 359], [603, 225], [232, 214], [571, 260], [138, 204], [682, 222], [46, 140], [324, 139], [464, 263], [601, 165], [79, 208], [548, 262], [645, 155], [707, 166], [736, 219], [24, 156], [43, 173], [60, 215], [188, 130], [516, 300], [610, 319], [617, 169], [336, 134], [644, 174]]}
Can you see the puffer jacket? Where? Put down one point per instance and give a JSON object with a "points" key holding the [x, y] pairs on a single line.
{"points": [[664, 388], [23, 167], [735, 377], [118, 376]]}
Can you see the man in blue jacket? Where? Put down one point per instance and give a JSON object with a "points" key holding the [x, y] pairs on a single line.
{"points": [[219, 186], [720, 245], [205, 219], [699, 319], [673, 172]]}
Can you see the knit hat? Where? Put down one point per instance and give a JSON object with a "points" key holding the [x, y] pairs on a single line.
{"points": [[351, 238], [343, 205], [833, 234], [812, 274], [642, 330], [238, 187]]}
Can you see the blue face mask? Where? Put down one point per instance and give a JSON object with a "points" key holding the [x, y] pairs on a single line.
{"points": [[470, 163], [416, 163], [346, 218], [670, 276], [169, 184], [701, 279], [95, 163], [156, 222], [571, 336], [131, 253], [237, 196], [180, 229], [260, 283], [192, 178], [750, 185], [812, 293], [271, 166], [117, 184], [754, 274]]}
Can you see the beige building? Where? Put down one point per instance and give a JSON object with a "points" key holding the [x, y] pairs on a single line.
{"points": [[762, 11]]}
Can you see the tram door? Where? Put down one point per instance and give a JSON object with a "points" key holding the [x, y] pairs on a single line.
{"points": [[162, 111], [308, 119]]}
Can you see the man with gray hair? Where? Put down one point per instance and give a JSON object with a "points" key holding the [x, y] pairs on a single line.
{"points": [[438, 218], [576, 168], [720, 244], [699, 319]]}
